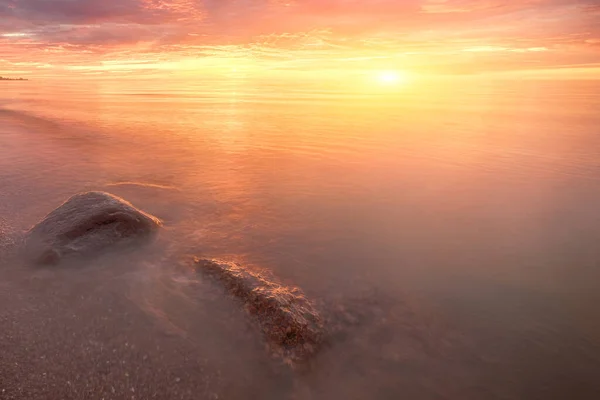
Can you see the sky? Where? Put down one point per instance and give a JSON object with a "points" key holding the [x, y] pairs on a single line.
{"points": [[236, 38]]}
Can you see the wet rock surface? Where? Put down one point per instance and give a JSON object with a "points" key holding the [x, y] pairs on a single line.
{"points": [[7, 238], [3, 233], [84, 224], [290, 323], [4, 239]]}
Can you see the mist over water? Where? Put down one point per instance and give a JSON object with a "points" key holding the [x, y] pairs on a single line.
{"points": [[460, 228]]}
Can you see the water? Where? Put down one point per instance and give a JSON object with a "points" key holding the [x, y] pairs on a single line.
{"points": [[459, 220]]}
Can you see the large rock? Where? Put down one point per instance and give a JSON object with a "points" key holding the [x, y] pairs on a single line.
{"points": [[290, 323], [86, 223]]}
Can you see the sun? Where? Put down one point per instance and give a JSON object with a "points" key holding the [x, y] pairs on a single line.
{"points": [[392, 77]]}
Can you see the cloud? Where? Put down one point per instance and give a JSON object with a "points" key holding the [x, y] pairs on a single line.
{"points": [[67, 11], [297, 32], [247, 18]]}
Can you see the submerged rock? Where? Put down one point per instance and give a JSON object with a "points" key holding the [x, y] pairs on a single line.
{"points": [[289, 321], [86, 223]]}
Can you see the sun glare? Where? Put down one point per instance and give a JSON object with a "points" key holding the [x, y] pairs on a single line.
{"points": [[391, 77]]}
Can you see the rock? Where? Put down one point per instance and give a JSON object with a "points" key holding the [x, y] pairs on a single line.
{"points": [[86, 223], [291, 325], [5, 237], [3, 231]]}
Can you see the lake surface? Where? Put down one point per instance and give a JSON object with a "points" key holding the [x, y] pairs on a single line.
{"points": [[461, 223]]}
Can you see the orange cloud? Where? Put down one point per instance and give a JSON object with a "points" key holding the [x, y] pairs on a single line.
{"points": [[453, 36]]}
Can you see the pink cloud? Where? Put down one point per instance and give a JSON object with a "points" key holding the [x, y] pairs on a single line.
{"points": [[73, 30]]}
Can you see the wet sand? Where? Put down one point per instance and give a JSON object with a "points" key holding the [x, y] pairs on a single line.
{"points": [[119, 328], [84, 333]]}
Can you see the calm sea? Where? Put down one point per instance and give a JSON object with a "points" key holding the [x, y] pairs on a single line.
{"points": [[461, 221]]}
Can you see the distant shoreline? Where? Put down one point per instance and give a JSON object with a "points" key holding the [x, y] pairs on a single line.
{"points": [[12, 79]]}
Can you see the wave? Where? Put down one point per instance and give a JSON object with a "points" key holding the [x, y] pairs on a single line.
{"points": [[31, 124], [141, 184], [28, 118]]}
